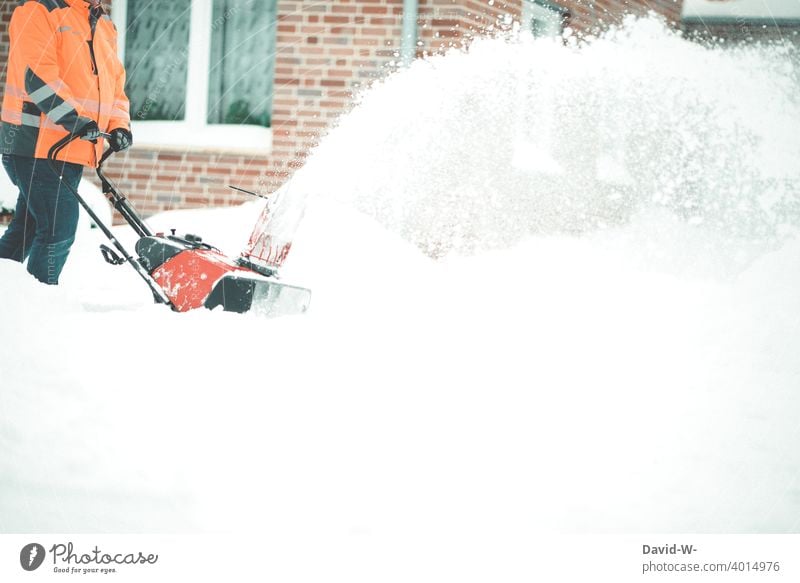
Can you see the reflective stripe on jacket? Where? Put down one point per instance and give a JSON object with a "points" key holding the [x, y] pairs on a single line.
{"points": [[63, 71]]}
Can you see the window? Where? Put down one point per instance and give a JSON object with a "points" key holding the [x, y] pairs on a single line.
{"points": [[241, 74], [543, 18], [157, 59], [200, 72]]}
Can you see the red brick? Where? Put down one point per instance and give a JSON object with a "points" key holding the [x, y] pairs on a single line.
{"points": [[375, 10]]}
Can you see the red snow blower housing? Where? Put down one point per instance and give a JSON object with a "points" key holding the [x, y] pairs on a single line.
{"points": [[184, 272]]}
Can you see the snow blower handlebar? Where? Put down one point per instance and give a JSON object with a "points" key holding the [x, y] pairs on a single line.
{"points": [[116, 198], [184, 272], [123, 207]]}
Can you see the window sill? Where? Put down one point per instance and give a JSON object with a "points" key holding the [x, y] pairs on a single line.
{"points": [[177, 135]]}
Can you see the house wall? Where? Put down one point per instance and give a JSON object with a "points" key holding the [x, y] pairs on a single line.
{"points": [[742, 31], [593, 16], [326, 52]]}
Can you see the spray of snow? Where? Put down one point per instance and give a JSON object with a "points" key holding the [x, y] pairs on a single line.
{"points": [[608, 344], [478, 150]]}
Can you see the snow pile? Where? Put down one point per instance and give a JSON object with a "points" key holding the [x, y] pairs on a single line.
{"points": [[427, 417]]}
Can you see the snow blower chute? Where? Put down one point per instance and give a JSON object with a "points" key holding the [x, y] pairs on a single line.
{"points": [[184, 272]]}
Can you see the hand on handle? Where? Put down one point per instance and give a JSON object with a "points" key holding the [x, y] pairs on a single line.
{"points": [[120, 139], [89, 132]]}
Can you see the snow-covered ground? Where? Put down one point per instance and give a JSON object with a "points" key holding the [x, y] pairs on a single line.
{"points": [[590, 354]]}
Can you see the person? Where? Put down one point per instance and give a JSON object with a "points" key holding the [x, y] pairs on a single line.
{"points": [[64, 77]]}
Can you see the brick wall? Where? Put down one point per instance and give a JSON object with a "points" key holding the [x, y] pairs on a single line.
{"points": [[591, 16], [158, 180], [742, 31], [6, 8], [326, 52], [443, 24]]}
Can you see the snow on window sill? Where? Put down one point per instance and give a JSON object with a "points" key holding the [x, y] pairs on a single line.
{"points": [[176, 135]]}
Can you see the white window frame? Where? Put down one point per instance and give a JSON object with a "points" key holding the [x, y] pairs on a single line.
{"points": [[551, 15], [194, 132]]}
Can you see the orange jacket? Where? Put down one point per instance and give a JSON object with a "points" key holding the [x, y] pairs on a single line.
{"points": [[63, 71]]}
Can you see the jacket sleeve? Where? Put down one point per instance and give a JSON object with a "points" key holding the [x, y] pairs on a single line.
{"points": [[34, 42], [120, 111]]}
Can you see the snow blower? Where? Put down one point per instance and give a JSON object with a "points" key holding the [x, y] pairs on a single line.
{"points": [[184, 272]]}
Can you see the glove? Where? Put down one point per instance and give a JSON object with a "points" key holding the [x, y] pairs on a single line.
{"points": [[121, 139], [90, 131]]}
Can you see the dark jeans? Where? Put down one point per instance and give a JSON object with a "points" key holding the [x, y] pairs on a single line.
{"points": [[46, 217]]}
